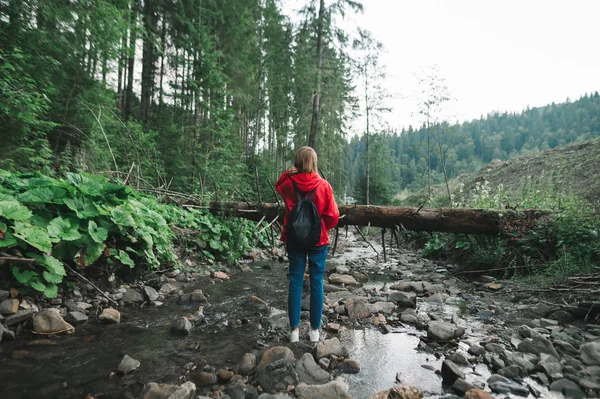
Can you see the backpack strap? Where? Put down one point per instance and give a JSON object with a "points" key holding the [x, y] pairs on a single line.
{"points": [[312, 194], [297, 191]]}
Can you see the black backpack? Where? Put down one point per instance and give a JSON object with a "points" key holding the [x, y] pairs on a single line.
{"points": [[304, 222]]}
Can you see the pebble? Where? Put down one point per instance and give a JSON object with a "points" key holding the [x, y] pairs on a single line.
{"points": [[110, 315], [225, 376], [77, 318], [247, 364], [128, 365], [9, 306], [476, 350]]}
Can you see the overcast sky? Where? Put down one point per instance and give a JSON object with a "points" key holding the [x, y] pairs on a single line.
{"points": [[494, 55]]}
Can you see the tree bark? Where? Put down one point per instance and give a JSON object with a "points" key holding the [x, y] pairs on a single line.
{"points": [[131, 60], [450, 220], [314, 123], [148, 60]]}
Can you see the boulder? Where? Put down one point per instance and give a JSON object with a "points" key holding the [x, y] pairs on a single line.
{"points": [[330, 347], [204, 379], [443, 331], [461, 386], [358, 308], [381, 307], [336, 389], [590, 353], [402, 391], [19, 317], [165, 391], [181, 325], [476, 350], [198, 296], [49, 321], [451, 372], [509, 387], [350, 366], [345, 279], [276, 354], [276, 369], [168, 289], [310, 372], [128, 365], [110, 315]]}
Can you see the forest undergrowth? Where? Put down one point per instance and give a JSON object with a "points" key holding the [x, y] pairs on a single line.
{"points": [[49, 224]]}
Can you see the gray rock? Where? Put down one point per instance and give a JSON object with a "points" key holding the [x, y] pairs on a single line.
{"points": [[527, 332], [4, 295], [568, 388], [276, 396], [436, 298], [19, 317], [328, 288], [6, 334], [498, 363], [461, 386], [545, 346], [381, 307], [565, 347], [358, 308], [128, 365], [459, 358], [451, 372], [553, 369], [275, 355], [330, 347], [165, 391], [476, 350], [276, 370], [152, 295], [590, 353], [443, 331], [247, 364], [593, 371], [524, 364], [133, 295], [562, 316], [336, 389], [181, 325], [310, 372], [49, 321], [495, 348], [497, 378], [512, 372], [408, 318], [509, 387], [345, 279], [76, 318], [168, 289], [204, 378], [403, 299], [592, 383], [9, 306]]}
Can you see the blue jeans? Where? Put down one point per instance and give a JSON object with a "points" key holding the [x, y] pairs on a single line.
{"points": [[316, 267]]}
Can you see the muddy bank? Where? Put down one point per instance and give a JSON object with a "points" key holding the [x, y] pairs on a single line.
{"points": [[406, 321]]}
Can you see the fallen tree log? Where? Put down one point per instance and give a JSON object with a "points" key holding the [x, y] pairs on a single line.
{"points": [[451, 220]]}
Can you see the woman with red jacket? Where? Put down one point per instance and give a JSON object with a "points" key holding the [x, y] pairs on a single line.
{"points": [[306, 179]]}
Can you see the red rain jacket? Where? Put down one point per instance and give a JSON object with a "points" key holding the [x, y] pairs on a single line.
{"points": [[323, 199]]}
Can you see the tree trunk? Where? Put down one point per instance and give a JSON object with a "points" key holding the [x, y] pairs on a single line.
{"points": [[450, 220], [131, 60], [163, 50], [314, 123], [148, 60], [367, 141]]}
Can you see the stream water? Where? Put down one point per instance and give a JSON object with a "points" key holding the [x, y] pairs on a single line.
{"points": [[84, 363]]}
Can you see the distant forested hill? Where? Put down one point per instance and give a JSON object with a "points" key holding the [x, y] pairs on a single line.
{"points": [[399, 160]]}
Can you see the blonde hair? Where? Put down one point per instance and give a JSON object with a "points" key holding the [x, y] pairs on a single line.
{"points": [[306, 160]]}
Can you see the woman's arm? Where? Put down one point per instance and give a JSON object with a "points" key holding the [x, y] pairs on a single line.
{"points": [[331, 215]]}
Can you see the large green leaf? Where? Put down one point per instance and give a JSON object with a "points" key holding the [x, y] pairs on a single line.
{"points": [[64, 229], [12, 210], [33, 235], [54, 265], [52, 278], [22, 276], [6, 237], [122, 217], [125, 259], [84, 208], [51, 291], [37, 285], [89, 252], [43, 195], [98, 234]]}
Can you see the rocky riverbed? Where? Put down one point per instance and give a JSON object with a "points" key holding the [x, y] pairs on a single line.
{"points": [[404, 328]]}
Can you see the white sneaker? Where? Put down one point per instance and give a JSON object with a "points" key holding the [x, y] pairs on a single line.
{"points": [[313, 335], [295, 336]]}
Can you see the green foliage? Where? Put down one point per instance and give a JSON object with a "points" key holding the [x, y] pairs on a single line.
{"points": [[561, 245], [99, 222]]}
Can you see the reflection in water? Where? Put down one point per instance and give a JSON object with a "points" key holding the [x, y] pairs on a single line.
{"points": [[382, 356]]}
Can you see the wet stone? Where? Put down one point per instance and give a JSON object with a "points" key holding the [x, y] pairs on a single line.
{"points": [[151, 293], [403, 299], [198, 296], [562, 316], [443, 331], [21, 316], [181, 325], [203, 378], [76, 318], [568, 388], [165, 391], [565, 347], [512, 372], [336, 389], [110, 315], [132, 296], [509, 387], [402, 391], [350, 367], [495, 348], [9, 306], [478, 394], [49, 321], [592, 383], [339, 279], [128, 365], [310, 372], [451, 372], [497, 363], [590, 353], [459, 358], [225, 376], [331, 347], [461, 386], [477, 350], [247, 364]]}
